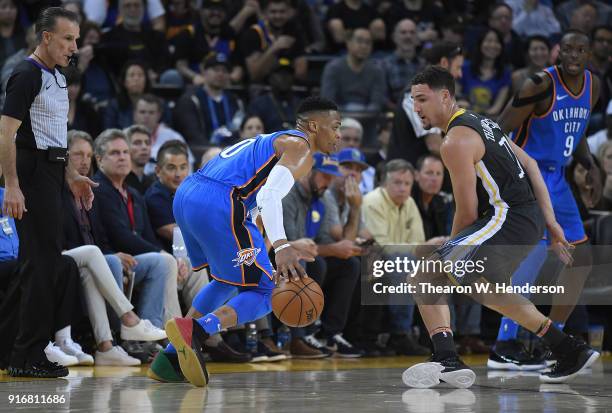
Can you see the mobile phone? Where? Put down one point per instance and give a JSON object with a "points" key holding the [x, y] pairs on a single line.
{"points": [[366, 243]]}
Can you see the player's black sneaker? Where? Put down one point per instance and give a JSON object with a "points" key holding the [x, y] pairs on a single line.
{"points": [[570, 363], [187, 337], [450, 369], [512, 355], [42, 369]]}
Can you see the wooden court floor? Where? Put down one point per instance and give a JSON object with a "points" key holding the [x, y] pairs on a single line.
{"points": [[332, 385]]}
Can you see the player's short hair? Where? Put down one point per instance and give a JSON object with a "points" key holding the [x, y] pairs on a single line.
{"points": [[435, 77], [421, 161], [397, 165], [105, 137], [577, 33], [75, 135], [172, 147], [47, 20], [315, 104], [134, 129]]}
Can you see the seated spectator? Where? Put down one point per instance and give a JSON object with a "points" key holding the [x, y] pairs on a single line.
{"points": [[603, 11], [351, 136], [604, 135], [409, 140], [277, 107], [604, 154], [209, 112], [82, 114], [102, 275], [272, 38], [211, 32], [531, 18], [348, 15], [97, 81], [63, 351], [11, 32], [172, 168], [139, 139], [132, 40], [355, 82], [304, 217], [584, 17], [107, 14], [148, 112], [500, 19], [401, 66], [11, 61], [123, 213], [486, 80], [538, 58], [133, 83], [251, 126], [425, 14]]}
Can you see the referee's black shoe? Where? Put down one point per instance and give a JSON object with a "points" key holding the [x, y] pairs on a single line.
{"points": [[41, 369], [577, 357], [512, 355]]}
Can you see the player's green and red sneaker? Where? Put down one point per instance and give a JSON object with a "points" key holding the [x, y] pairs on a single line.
{"points": [[188, 337], [165, 368]]}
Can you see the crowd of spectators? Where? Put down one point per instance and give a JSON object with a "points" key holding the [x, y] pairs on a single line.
{"points": [[160, 87]]}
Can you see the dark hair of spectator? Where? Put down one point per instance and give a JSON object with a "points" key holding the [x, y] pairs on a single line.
{"points": [[122, 97], [247, 118], [478, 57], [577, 33], [397, 165], [537, 38], [423, 158], [48, 18], [442, 49], [86, 27], [435, 77], [600, 27], [130, 131], [150, 98], [75, 135], [172, 147], [315, 104], [104, 138], [496, 6]]}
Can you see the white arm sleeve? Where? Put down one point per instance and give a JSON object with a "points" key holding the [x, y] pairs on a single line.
{"points": [[269, 201]]}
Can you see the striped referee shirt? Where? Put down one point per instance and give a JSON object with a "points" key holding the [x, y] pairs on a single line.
{"points": [[38, 97]]}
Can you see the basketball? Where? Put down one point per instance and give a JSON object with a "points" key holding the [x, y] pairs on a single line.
{"points": [[298, 303]]}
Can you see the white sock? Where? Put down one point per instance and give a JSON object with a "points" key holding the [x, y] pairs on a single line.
{"points": [[62, 335]]}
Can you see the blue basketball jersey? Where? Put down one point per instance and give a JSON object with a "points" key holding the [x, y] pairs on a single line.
{"points": [[247, 164], [553, 137]]}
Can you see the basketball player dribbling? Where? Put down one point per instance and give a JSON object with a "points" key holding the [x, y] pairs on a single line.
{"points": [[501, 200], [212, 209]]}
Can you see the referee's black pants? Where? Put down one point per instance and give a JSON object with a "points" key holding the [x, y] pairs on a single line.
{"points": [[31, 298]]}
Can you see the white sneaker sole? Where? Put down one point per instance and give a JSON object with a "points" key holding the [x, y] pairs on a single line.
{"points": [[589, 363], [422, 375], [496, 365]]}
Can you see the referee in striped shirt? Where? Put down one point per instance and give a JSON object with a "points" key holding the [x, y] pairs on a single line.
{"points": [[33, 154]]}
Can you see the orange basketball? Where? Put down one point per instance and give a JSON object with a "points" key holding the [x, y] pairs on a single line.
{"points": [[298, 303]]}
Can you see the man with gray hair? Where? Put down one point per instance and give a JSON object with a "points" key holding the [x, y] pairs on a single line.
{"points": [[123, 213], [351, 136], [139, 140]]}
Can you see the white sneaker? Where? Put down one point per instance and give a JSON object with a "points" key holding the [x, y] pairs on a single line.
{"points": [[143, 331], [74, 349], [116, 356], [56, 355]]}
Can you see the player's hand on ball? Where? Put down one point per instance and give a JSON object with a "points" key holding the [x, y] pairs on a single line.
{"points": [[559, 244], [288, 264]]}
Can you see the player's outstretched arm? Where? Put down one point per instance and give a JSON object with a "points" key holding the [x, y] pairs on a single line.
{"points": [[534, 90], [459, 152], [295, 162], [541, 193]]}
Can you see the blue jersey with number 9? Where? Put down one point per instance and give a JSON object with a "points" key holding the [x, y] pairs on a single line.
{"points": [[247, 164]]}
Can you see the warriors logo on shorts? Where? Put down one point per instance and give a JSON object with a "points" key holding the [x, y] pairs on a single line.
{"points": [[246, 256]]}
